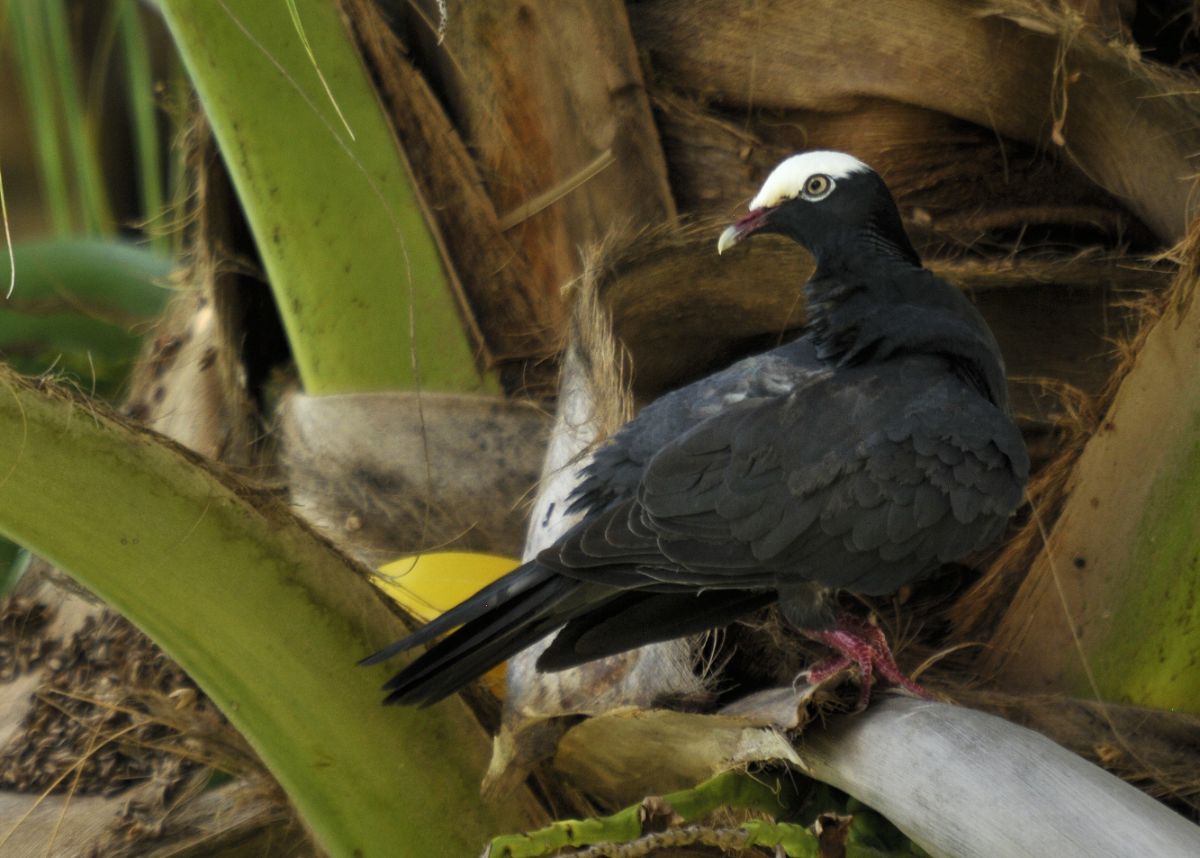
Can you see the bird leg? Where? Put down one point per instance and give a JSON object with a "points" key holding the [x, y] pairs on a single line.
{"points": [[861, 644]]}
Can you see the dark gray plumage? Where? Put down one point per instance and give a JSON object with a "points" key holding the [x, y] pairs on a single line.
{"points": [[858, 457]]}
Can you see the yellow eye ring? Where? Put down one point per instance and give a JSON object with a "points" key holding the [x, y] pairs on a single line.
{"points": [[817, 186]]}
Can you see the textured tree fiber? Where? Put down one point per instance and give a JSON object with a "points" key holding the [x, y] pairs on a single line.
{"points": [[1108, 606], [519, 320], [545, 140], [191, 382], [541, 90], [1127, 125], [674, 311], [957, 184]]}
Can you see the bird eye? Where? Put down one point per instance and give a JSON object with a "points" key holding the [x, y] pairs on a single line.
{"points": [[817, 186]]}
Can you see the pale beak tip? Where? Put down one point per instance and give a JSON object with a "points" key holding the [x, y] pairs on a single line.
{"points": [[727, 240]]}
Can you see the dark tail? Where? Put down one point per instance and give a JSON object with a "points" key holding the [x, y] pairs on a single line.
{"points": [[533, 601], [635, 619], [496, 623]]}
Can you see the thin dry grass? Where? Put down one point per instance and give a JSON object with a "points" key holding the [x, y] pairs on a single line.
{"points": [[107, 680], [978, 612], [606, 360], [112, 716]]}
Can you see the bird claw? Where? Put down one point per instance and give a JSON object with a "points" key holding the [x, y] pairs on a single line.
{"points": [[864, 646]]}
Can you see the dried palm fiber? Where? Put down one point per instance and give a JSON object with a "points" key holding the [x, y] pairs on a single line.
{"points": [[1030, 72], [558, 157], [1106, 593], [541, 90], [192, 381], [674, 310], [518, 321], [957, 184], [976, 615]]}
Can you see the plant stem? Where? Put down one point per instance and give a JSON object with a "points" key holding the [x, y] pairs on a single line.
{"points": [[33, 61], [266, 617], [355, 270], [144, 115], [97, 215]]}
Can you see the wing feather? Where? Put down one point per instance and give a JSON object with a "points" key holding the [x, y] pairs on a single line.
{"points": [[863, 480]]}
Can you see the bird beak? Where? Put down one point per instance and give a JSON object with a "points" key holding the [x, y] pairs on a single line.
{"points": [[755, 220]]}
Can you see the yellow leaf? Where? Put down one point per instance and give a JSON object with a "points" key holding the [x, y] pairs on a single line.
{"points": [[426, 585]]}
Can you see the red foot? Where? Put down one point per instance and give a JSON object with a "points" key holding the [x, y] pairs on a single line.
{"points": [[858, 643]]}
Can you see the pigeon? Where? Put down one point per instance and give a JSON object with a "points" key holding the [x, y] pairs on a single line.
{"points": [[858, 458]]}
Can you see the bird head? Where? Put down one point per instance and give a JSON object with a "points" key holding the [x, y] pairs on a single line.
{"points": [[827, 202]]}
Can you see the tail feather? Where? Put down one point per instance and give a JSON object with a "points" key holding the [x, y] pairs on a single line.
{"points": [[486, 631], [593, 621], [449, 678], [482, 643], [512, 585], [637, 619]]}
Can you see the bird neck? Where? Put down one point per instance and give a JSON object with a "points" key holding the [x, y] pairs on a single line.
{"points": [[872, 307], [854, 279]]}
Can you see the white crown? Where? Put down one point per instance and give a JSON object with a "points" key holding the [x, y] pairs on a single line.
{"points": [[787, 180]]}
